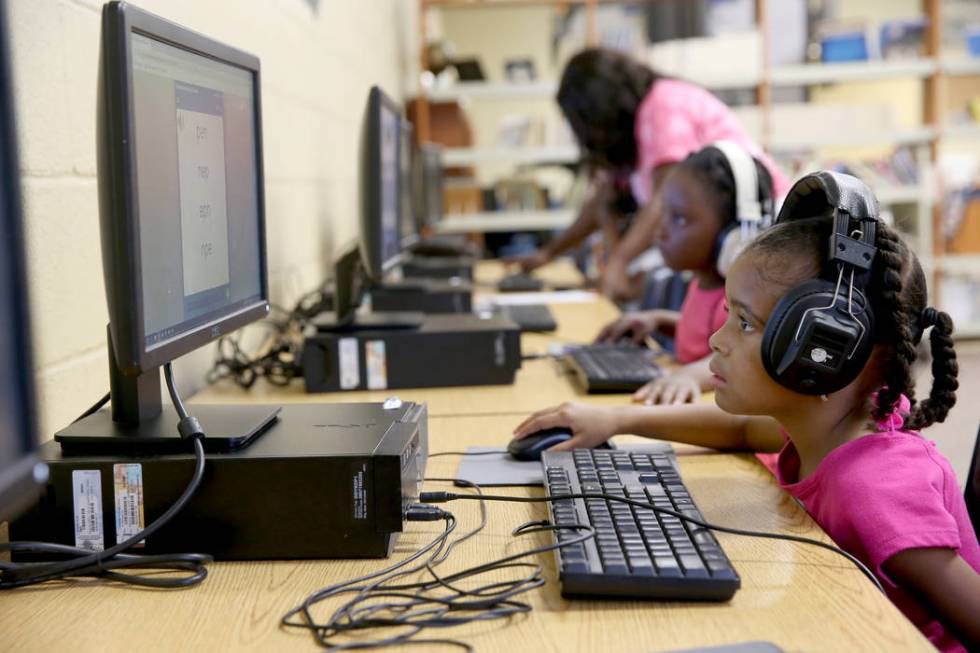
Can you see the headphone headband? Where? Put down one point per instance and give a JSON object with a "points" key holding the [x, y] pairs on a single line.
{"points": [[747, 206]]}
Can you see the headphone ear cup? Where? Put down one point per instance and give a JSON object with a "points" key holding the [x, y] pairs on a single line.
{"points": [[812, 349], [730, 246]]}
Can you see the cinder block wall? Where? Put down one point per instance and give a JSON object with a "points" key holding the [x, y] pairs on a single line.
{"points": [[318, 61]]}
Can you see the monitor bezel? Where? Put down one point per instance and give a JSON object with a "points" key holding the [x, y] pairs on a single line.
{"points": [[372, 241], [19, 483], [119, 208]]}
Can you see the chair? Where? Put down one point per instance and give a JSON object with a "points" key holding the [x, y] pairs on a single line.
{"points": [[972, 491]]}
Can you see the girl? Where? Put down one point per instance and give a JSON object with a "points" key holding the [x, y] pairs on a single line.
{"points": [[633, 125], [852, 457], [699, 203]]}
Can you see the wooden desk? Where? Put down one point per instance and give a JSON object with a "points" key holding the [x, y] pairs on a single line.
{"points": [[799, 597]]}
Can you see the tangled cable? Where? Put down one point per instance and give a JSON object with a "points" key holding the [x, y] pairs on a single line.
{"points": [[435, 601]]}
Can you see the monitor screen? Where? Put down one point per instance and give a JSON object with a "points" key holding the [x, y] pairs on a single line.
{"points": [[194, 123], [389, 139], [406, 156]]}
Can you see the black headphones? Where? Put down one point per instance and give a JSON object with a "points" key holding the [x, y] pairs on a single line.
{"points": [[819, 336]]}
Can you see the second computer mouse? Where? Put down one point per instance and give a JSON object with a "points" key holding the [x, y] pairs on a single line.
{"points": [[531, 446]]}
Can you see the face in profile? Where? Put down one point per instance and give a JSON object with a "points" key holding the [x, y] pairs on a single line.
{"points": [[689, 223]]}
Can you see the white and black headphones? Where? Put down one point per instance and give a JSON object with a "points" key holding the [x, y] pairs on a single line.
{"points": [[751, 215]]}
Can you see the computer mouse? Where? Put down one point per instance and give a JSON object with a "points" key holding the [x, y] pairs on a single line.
{"points": [[531, 446]]}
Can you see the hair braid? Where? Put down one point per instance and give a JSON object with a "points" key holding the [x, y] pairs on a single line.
{"points": [[945, 369], [895, 320]]}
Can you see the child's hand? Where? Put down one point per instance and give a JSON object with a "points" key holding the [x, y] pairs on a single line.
{"points": [[590, 425], [677, 388], [636, 326]]}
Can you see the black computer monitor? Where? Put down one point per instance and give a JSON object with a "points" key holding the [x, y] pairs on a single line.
{"points": [[431, 182], [180, 198], [381, 236], [410, 226], [20, 471]]}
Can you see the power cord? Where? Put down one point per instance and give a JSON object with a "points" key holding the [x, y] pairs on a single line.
{"points": [[108, 563], [437, 601], [442, 497]]}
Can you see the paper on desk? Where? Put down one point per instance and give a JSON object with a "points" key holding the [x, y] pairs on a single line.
{"points": [[553, 297]]}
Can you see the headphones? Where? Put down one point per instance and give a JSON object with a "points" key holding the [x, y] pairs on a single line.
{"points": [[750, 214], [819, 336]]}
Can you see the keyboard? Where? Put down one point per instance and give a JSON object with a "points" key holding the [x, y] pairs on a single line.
{"points": [[611, 368], [519, 282], [636, 553], [530, 317]]}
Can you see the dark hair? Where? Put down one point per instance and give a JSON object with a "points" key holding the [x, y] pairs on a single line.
{"points": [[710, 165], [897, 293], [599, 94]]}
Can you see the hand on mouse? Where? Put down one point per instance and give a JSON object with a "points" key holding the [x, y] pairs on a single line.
{"points": [[590, 425], [680, 387]]}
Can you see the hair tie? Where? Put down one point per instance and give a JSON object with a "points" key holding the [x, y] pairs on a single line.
{"points": [[929, 317]]}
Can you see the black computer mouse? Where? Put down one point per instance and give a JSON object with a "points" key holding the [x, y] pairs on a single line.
{"points": [[530, 447]]}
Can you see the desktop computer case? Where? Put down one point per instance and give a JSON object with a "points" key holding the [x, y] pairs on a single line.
{"points": [[438, 267], [447, 350], [325, 481], [431, 296]]}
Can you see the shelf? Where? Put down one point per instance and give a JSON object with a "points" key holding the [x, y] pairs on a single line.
{"points": [[495, 90], [464, 156], [905, 194], [969, 330], [804, 141], [960, 264], [490, 221], [962, 132], [962, 66], [858, 71]]}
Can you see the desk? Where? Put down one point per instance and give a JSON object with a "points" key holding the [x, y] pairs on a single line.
{"points": [[800, 597]]}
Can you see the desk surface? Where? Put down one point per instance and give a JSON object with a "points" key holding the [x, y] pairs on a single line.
{"points": [[799, 597]]}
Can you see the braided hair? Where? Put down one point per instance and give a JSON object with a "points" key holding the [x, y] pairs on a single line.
{"points": [[896, 292], [599, 94], [710, 166]]}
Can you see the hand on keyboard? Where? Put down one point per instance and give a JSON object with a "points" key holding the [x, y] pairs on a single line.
{"points": [[681, 387], [590, 425], [637, 326]]}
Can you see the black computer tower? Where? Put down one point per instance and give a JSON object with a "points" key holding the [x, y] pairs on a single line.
{"points": [[432, 296], [438, 267], [325, 481], [446, 350]]}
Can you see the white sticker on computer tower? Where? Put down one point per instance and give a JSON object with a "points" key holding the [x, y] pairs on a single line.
{"points": [[87, 499], [377, 364], [359, 493], [349, 363], [128, 485]]}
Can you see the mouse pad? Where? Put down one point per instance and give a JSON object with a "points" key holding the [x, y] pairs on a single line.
{"points": [[499, 469]]}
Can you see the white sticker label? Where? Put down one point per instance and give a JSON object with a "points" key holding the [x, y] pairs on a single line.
{"points": [[377, 364], [359, 493], [87, 495], [128, 485], [350, 366]]}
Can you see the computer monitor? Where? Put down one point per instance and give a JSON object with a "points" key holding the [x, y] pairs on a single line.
{"points": [[410, 227], [430, 178], [381, 236], [180, 198], [20, 471]]}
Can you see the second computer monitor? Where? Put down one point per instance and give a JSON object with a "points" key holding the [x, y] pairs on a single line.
{"points": [[381, 235], [410, 225]]}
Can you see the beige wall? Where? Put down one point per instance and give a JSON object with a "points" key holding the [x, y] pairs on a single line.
{"points": [[317, 66]]}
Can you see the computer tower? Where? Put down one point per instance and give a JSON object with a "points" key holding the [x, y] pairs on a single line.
{"points": [[438, 267], [431, 296], [325, 481], [445, 350]]}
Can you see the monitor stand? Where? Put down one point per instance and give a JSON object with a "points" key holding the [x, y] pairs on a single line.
{"points": [[370, 322], [139, 424]]}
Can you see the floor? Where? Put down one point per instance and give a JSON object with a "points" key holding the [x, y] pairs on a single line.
{"points": [[957, 435]]}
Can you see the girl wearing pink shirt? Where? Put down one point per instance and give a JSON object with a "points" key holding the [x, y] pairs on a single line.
{"points": [[633, 125], [851, 455], [698, 202]]}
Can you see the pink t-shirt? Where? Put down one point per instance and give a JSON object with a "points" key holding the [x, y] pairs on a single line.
{"points": [[676, 119], [702, 313], [882, 494]]}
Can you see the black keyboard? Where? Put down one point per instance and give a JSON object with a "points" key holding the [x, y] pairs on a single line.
{"points": [[612, 368], [636, 552], [530, 317], [520, 282]]}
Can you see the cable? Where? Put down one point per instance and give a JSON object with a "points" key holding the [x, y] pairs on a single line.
{"points": [[495, 452], [442, 497], [436, 601], [94, 408], [108, 563]]}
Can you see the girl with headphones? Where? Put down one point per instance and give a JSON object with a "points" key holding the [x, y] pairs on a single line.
{"points": [[813, 367], [714, 202]]}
